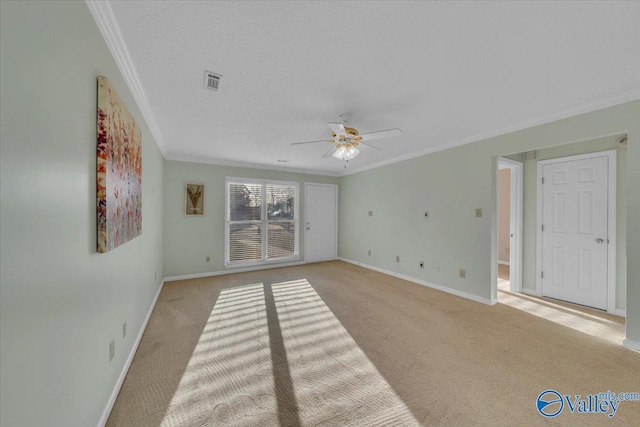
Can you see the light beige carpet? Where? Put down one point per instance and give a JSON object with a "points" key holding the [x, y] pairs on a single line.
{"points": [[332, 344]]}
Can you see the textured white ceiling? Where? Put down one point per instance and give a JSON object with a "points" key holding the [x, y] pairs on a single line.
{"points": [[445, 73]]}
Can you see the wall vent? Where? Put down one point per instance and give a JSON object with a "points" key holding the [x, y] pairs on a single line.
{"points": [[212, 80]]}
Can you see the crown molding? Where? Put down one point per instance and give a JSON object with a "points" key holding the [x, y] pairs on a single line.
{"points": [[209, 161], [108, 26], [627, 96]]}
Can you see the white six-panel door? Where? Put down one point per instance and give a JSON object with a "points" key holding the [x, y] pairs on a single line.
{"points": [[321, 222], [575, 231]]}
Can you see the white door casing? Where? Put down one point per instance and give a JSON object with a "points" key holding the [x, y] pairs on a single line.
{"points": [[515, 221], [576, 229], [321, 222]]}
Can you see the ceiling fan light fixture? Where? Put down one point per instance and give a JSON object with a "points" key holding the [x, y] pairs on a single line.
{"points": [[345, 140], [346, 153]]}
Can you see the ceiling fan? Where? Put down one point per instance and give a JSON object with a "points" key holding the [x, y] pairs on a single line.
{"points": [[345, 140]]}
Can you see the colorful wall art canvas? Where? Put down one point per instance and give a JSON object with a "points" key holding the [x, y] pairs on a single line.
{"points": [[119, 171]]}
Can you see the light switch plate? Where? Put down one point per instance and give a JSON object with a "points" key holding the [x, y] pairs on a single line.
{"points": [[370, 213], [478, 212]]}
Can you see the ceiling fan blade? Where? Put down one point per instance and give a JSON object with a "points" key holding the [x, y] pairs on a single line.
{"points": [[381, 134], [338, 128], [370, 146], [330, 152], [308, 142]]}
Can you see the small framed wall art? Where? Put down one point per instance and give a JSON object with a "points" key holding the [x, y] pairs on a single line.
{"points": [[194, 198]]}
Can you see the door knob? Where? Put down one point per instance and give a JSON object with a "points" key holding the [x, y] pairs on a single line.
{"points": [[599, 240]]}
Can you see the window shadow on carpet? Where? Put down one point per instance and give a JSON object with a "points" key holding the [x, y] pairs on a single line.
{"points": [[268, 355]]}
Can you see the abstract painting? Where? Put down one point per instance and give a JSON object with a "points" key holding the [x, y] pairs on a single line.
{"points": [[194, 199], [119, 171]]}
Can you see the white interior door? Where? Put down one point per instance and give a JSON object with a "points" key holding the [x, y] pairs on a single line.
{"points": [[321, 222], [575, 231]]}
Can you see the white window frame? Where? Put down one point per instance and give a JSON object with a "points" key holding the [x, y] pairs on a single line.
{"points": [[227, 222]]}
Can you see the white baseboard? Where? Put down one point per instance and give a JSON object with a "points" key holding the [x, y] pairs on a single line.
{"points": [[620, 312], [424, 283], [231, 271], [531, 292], [503, 262], [125, 369], [633, 345]]}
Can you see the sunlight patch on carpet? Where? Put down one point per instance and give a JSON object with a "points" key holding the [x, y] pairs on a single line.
{"points": [[595, 325], [273, 355], [335, 383], [228, 380]]}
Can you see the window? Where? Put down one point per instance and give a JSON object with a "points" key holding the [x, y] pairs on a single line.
{"points": [[261, 221]]}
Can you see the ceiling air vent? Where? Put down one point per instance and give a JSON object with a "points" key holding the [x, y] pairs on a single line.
{"points": [[212, 80]]}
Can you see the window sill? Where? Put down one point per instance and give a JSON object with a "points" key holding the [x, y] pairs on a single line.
{"points": [[240, 264]]}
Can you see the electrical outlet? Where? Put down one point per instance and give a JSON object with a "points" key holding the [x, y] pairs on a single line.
{"points": [[421, 264], [124, 329], [208, 259], [436, 267], [369, 252], [478, 212], [397, 258], [370, 213], [112, 349], [463, 273], [426, 214]]}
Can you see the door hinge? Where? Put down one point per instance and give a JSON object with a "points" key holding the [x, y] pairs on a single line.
{"points": [[543, 179], [542, 227], [542, 274]]}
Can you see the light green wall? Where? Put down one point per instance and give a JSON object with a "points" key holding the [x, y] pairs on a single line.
{"points": [[61, 302], [530, 208], [450, 184], [190, 239]]}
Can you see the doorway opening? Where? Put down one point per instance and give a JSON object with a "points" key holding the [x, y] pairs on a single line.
{"points": [[573, 204], [510, 195]]}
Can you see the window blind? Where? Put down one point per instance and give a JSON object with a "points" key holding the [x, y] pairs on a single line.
{"points": [[261, 221]]}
